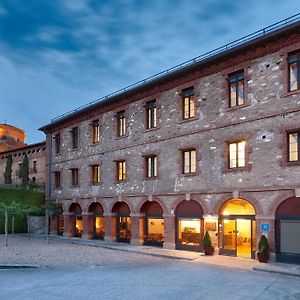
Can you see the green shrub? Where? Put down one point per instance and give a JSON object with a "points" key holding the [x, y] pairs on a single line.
{"points": [[23, 197], [207, 240], [263, 245]]}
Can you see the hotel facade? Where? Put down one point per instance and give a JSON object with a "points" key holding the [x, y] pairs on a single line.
{"points": [[211, 145]]}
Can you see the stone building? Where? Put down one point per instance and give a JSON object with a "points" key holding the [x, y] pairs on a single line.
{"points": [[210, 145], [11, 137], [36, 154]]}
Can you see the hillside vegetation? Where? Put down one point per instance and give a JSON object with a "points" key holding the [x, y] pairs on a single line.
{"points": [[24, 197]]}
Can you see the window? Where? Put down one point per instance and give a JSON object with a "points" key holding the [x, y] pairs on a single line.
{"points": [[188, 102], [151, 166], [75, 137], [189, 161], [57, 179], [294, 146], [57, 143], [151, 112], [121, 123], [121, 170], [236, 89], [237, 157], [294, 72], [75, 177], [34, 166], [96, 174], [95, 132]]}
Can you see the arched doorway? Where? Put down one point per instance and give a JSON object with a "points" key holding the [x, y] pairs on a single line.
{"points": [[237, 228], [76, 216], [189, 226], [154, 223], [123, 222], [60, 221], [96, 220], [287, 230]]}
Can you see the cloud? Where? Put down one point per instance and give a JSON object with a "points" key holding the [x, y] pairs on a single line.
{"points": [[60, 54]]}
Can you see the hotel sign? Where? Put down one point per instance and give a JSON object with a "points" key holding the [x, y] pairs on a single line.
{"points": [[265, 227]]}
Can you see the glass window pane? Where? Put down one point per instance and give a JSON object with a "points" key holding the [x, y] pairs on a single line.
{"points": [[233, 95], [293, 147], [293, 77], [192, 107], [189, 232], [241, 92]]}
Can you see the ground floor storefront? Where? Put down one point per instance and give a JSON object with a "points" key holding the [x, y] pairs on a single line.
{"points": [[234, 224]]}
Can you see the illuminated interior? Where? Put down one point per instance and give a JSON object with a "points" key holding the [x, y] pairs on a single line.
{"points": [[189, 231], [99, 226], [293, 147], [78, 226], [237, 154], [235, 233], [60, 224], [155, 230], [124, 228], [237, 207]]}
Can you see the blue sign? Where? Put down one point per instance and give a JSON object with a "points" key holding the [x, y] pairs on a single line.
{"points": [[265, 227]]}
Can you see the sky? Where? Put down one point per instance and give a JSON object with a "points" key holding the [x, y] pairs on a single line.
{"points": [[58, 55]]}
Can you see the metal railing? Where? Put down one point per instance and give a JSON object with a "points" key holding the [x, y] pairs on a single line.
{"points": [[250, 37]]}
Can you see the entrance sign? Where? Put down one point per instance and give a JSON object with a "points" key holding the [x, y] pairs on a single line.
{"points": [[265, 227]]}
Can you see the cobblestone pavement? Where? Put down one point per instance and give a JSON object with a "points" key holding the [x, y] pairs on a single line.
{"points": [[84, 272]]}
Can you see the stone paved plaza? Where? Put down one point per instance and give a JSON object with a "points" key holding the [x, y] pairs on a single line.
{"points": [[68, 271]]}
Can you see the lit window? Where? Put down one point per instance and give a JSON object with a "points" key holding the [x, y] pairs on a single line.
{"points": [[151, 162], [294, 72], [294, 148], [189, 161], [75, 177], [121, 123], [121, 170], [237, 157], [151, 112], [75, 137], [96, 174], [95, 132], [236, 89], [188, 103], [57, 179]]}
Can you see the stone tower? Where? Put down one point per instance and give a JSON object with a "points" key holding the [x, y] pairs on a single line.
{"points": [[11, 137]]}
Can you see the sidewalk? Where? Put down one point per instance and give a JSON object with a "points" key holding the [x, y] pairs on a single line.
{"points": [[196, 257]]}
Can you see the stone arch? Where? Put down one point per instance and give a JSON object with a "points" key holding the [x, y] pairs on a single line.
{"points": [[162, 205], [189, 207], [284, 196], [96, 206], [152, 207], [75, 207], [223, 200], [249, 207], [121, 207], [112, 205], [194, 198], [289, 207]]}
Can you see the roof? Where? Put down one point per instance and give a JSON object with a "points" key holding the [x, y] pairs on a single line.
{"points": [[43, 143], [255, 37]]}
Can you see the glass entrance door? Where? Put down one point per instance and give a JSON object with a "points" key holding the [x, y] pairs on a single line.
{"points": [[78, 226], [237, 237], [243, 231], [124, 229], [99, 227], [154, 231], [228, 236]]}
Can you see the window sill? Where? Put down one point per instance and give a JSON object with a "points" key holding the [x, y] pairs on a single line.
{"points": [[188, 120], [122, 137], [121, 181], [151, 129], [237, 170], [151, 178], [95, 184], [229, 109], [94, 144], [188, 174], [75, 186], [288, 94], [291, 163]]}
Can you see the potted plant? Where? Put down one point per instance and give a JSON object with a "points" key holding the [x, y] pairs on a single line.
{"points": [[208, 249], [263, 253]]}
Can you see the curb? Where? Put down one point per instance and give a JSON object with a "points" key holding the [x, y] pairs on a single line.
{"points": [[282, 272]]}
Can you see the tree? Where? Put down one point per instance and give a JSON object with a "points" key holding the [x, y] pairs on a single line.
{"points": [[8, 170], [24, 171]]}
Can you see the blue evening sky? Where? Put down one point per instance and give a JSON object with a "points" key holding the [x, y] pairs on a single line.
{"points": [[56, 55]]}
